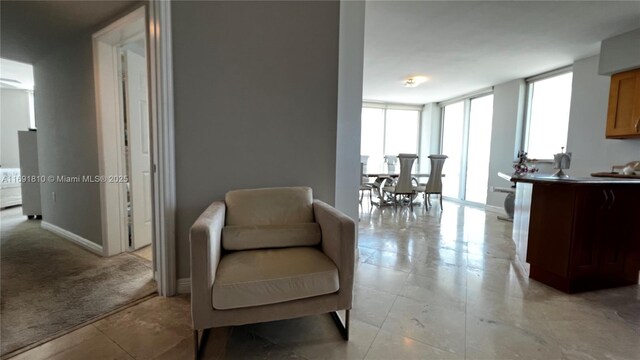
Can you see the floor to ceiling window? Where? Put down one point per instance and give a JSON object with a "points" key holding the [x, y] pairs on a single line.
{"points": [[466, 140], [388, 130]]}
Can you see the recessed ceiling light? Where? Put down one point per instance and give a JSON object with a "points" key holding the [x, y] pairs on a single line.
{"points": [[415, 81]]}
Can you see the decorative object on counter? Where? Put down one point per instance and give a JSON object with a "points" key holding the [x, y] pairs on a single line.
{"points": [[615, 175], [561, 160], [521, 166], [630, 170]]}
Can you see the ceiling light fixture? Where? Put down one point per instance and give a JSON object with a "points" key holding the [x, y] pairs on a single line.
{"points": [[415, 81]]}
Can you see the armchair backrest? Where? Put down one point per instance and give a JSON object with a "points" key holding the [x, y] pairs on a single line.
{"points": [[270, 218], [269, 206], [404, 184]]}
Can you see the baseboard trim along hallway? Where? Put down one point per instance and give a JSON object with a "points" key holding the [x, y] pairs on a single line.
{"points": [[76, 239]]}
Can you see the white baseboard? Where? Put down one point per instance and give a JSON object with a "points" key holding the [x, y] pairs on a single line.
{"points": [[184, 286], [76, 239]]}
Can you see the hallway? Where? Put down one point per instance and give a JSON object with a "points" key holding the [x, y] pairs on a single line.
{"points": [[49, 285]]}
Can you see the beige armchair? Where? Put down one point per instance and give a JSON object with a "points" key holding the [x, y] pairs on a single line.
{"points": [[270, 254]]}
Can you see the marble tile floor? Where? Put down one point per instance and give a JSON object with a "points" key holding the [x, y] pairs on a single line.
{"points": [[145, 252], [429, 285]]}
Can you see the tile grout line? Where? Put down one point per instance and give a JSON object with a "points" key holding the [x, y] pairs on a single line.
{"points": [[385, 318], [113, 341], [380, 328]]}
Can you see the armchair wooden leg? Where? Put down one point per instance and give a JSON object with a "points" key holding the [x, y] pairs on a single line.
{"points": [[343, 327], [441, 201], [196, 347], [199, 338]]}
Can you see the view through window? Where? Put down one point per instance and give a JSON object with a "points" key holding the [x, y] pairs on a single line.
{"points": [[388, 132], [548, 115], [466, 140]]}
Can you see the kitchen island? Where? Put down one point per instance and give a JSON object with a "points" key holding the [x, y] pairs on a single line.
{"points": [[578, 234]]}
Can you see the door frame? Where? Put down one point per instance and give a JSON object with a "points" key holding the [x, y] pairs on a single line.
{"points": [[157, 15]]}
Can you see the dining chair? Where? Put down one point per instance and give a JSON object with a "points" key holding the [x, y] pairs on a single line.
{"points": [[404, 187], [434, 184], [365, 186]]}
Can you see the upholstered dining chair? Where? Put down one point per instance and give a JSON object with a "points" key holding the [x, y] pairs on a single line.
{"points": [[434, 184], [365, 186], [404, 185], [270, 254]]}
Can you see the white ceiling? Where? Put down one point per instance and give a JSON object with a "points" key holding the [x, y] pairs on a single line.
{"points": [[466, 46]]}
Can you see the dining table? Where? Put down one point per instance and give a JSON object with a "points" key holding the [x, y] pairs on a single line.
{"points": [[387, 179]]}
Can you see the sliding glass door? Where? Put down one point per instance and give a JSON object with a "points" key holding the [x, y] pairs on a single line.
{"points": [[466, 139]]}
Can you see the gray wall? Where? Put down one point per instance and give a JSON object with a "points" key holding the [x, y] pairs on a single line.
{"points": [[255, 91], [66, 122], [620, 53], [351, 50], [14, 116], [587, 123], [508, 105]]}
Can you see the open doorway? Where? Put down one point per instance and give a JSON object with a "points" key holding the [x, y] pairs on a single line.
{"points": [[16, 118], [135, 110], [122, 83]]}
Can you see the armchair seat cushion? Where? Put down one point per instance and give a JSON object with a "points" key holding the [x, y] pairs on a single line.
{"points": [[261, 277]]}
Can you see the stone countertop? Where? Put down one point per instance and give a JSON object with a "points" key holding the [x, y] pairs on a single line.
{"points": [[587, 180]]}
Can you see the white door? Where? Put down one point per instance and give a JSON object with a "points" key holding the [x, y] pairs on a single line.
{"points": [[138, 140]]}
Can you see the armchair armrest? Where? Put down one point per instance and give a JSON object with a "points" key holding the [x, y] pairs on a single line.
{"points": [[206, 246], [338, 242]]}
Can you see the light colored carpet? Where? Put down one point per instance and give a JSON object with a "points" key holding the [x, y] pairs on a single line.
{"points": [[48, 284]]}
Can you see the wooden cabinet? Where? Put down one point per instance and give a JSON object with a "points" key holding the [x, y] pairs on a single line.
{"points": [[623, 118], [584, 236]]}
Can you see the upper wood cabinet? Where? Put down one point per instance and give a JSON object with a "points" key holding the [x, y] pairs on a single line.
{"points": [[623, 119]]}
